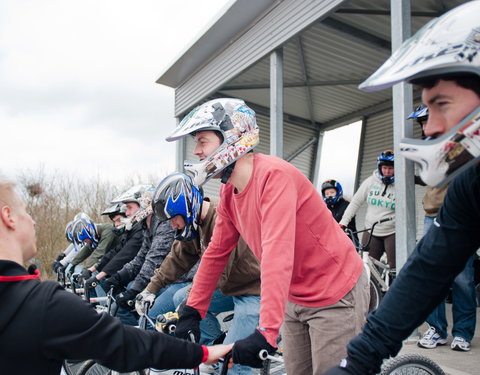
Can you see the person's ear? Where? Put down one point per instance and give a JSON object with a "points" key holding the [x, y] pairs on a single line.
{"points": [[6, 217]]}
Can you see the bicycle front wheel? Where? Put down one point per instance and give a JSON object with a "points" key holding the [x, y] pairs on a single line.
{"points": [[411, 364], [376, 295], [93, 368]]}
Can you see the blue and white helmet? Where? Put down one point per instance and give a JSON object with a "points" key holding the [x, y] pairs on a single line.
{"points": [[68, 231], [446, 45], [332, 184], [237, 124], [84, 229], [385, 158], [177, 195]]}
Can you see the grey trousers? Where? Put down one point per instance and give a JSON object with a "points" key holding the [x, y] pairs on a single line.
{"points": [[315, 338]]}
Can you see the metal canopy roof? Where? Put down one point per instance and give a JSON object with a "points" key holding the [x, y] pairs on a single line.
{"points": [[326, 55]]}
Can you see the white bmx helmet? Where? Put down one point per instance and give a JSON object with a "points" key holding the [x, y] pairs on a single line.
{"points": [[446, 45], [234, 120]]}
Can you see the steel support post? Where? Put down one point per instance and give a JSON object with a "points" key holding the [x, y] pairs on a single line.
{"points": [[276, 103], [402, 107]]}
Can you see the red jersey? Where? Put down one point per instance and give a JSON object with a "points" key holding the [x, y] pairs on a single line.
{"points": [[305, 256]]}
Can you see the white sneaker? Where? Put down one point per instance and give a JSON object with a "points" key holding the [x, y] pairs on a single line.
{"points": [[431, 339], [460, 344]]}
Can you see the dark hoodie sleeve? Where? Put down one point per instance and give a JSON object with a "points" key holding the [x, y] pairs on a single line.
{"points": [[424, 280], [74, 330], [127, 252]]}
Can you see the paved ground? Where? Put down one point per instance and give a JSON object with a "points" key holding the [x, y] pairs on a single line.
{"points": [[452, 362]]}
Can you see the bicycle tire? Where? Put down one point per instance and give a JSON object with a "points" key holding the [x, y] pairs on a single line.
{"points": [[91, 367], [411, 364], [70, 367], [376, 295]]}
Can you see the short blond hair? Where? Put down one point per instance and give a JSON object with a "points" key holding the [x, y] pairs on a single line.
{"points": [[8, 194]]}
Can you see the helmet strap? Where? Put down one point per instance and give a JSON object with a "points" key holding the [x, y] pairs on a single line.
{"points": [[227, 172]]}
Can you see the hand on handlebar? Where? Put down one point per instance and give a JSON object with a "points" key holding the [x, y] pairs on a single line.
{"points": [[247, 351], [143, 298], [126, 299], [91, 282], [189, 321]]}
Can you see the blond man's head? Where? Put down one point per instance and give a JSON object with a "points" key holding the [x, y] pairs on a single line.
{"points": [[17, 228]]}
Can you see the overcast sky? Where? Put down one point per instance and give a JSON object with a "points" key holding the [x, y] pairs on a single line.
{"points": [[77, 83], [78, 91]]}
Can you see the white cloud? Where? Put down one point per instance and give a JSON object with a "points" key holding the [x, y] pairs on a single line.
{"points": [[77, 81]]}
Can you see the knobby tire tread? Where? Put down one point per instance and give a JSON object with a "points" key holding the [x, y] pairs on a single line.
{"points": [[411, 364]]}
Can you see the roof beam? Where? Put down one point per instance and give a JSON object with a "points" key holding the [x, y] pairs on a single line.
{"points": [[338, 82], [265, 111], [303, 67], [386, 12], [356, 34]]}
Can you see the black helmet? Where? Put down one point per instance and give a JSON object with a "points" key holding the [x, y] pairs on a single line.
{"points": [[115, 209]]}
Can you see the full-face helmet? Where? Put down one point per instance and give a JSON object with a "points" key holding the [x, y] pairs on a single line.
{"points": [[115, 209], [385, 158], [332, 184], [448, 45], [235, 122], [420, 115], [68, 231], [177, 195], [134, 194], [84, 229]]}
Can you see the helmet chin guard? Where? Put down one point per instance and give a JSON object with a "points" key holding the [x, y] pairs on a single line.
{"points": [[443, 158]]}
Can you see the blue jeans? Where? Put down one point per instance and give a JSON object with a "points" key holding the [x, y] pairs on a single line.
{"points": [[164, 300], [246, 309], [127, 316], [464, 306]]}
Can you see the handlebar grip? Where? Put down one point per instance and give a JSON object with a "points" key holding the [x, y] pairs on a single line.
{"points": [[385, 220], [263, 354]]}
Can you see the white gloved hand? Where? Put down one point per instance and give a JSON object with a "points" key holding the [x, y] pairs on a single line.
{"points": [[144, 297]]}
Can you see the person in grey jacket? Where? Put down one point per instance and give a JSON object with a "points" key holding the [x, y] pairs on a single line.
{"points": [[135, 275], [378, 192]]}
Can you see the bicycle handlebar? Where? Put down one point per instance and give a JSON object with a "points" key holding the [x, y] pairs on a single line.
{"points": [[263, 355]]}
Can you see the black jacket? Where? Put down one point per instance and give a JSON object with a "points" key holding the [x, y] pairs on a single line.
{"points": [[41, 324], [425, 279], [337, 211], [115, 259]]}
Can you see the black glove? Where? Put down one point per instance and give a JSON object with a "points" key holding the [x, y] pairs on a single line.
{"points": [[189, 321], [86, 274], [60, 257], [115, 283], [91, 283], [58, 267], [348, 366], [126, 299], [247, 351]]}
